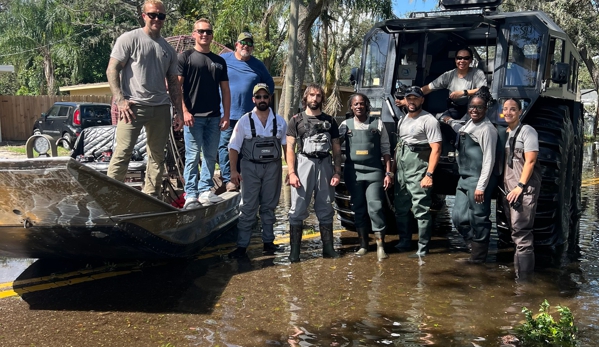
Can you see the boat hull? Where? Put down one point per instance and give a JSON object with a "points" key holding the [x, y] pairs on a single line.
{"points": [[60, 208]]}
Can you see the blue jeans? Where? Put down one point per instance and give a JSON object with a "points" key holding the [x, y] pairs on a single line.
{"points": [[204, 137], [223, 152]]}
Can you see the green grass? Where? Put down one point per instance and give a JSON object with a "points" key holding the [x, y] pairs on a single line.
{"points": [[22, 150]]}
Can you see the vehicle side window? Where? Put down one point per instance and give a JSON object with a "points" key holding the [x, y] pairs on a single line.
{"points": [[64, 111], [523, 56], [376, 60], [53, 111], [556, 55]]}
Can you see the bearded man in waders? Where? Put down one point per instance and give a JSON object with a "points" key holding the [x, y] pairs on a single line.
{"points": [[259, 135], [365, 175], [311, 171], [416, 157]]}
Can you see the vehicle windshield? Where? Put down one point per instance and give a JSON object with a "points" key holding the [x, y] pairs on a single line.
{"points": [[523, 56], [95, 112], [377, 49]]}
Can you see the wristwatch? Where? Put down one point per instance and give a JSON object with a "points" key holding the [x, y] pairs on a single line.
{"points": [[390, 174], [521, 185], [465, 92], [429, 174]]}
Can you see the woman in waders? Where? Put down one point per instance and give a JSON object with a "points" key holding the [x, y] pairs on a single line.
{"points": [[522, 182], [366, 177]]}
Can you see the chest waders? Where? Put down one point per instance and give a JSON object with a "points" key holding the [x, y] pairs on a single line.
{"points": [[521, 218], [412, 163], [260, 186], [363, 175], [469, 217], [315, 171]]}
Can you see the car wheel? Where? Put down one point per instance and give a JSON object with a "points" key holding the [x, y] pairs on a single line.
{"points": [[67, 141]]}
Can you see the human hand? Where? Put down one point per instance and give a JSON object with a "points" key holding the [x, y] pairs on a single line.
{"points": [[236, 177], [294, 181], [125, 111], [335, 180], [188, 119], [178, 123], [456, 95], [224, 123], [400, 102], [513, 195], [387, 182], [479, 196], [426, 182]]}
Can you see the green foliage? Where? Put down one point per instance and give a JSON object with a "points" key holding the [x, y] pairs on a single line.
{"points": [[543, 330]]}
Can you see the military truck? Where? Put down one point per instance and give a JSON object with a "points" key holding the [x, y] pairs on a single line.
{"points": [[525, 56]]}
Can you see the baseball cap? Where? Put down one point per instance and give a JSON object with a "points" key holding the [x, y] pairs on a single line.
{"points": [[416, 91], [259, 86], [245, 36]]}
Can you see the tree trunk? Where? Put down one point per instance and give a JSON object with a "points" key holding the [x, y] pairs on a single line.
{"points": [[49, 72]]}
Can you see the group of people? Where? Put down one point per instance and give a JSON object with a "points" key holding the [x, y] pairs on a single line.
{"points": [[223, 105]]}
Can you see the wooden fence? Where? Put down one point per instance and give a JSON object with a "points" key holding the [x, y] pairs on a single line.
{"points": [[18, 113]]}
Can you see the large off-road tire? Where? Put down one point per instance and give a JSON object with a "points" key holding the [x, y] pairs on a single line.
{"points": [[557, 157], [576, 204]]}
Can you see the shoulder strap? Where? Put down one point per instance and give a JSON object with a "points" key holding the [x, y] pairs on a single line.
{"points": [[512, 142], [252, 125]]}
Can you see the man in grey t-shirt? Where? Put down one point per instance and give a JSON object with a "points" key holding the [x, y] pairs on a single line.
{"points": [[416, 157], [140, 62]]}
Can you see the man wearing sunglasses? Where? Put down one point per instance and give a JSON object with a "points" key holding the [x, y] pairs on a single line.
{"points": [[259, 135], [462, 82], [203, 77], [245, 71], [140, 62]]}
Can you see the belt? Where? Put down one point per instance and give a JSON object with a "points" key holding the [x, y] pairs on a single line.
{"points": [[319, 155], [417, 147]]}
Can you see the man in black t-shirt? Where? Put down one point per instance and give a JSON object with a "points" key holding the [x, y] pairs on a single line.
{"points": [[311, 170], [203, 77]]}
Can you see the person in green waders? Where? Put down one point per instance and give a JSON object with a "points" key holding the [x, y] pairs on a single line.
{"points": [[365, 175], [416, 157], [478, 170]]}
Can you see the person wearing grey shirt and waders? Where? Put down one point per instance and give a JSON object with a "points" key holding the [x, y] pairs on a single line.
{"points": [[258, 135], [478, 148], [140, 62], [365, 176], [522, 184], [316, 135], [416, 157]]}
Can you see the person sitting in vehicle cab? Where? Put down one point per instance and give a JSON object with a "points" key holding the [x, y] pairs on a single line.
{"points": [[462, 82]]}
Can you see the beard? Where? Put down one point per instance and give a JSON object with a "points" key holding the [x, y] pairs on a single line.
{"points": [[416, 108], [315, 106], [262, 106]]}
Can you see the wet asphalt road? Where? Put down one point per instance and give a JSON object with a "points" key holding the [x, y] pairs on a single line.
{"points": [[265, 301]]}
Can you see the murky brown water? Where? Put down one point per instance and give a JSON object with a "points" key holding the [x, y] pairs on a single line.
{"points": [[351, 301]]}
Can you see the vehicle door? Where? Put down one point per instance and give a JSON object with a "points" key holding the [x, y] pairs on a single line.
{"points": [[57, 122], [46, 120]]}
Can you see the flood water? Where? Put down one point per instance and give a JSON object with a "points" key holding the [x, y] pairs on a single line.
{"points": [[265, 301]]}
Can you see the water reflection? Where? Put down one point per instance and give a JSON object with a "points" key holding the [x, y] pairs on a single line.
{"points": [[355, 301]]}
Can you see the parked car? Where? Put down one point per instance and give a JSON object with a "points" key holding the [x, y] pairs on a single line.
{"points": [[64, 121]]}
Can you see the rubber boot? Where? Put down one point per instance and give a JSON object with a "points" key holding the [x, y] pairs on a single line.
{"points": [[380, 245], [524, 265], [326, 235], [295, 240], [268, 233], [478, 254], [363, 235]]}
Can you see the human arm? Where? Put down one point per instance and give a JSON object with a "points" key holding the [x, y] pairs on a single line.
{"points": [[488, 142], [175, 92], [290, 158], [235, 175], [433, 160], [113, 74], [336, 161], [187, 116], [226, 94], [530, 158]]}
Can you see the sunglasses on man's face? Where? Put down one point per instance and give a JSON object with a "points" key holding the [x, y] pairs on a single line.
{"points": [[260, 97], [154, 15], [246, 43], [202, 31], [462, 58]]}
